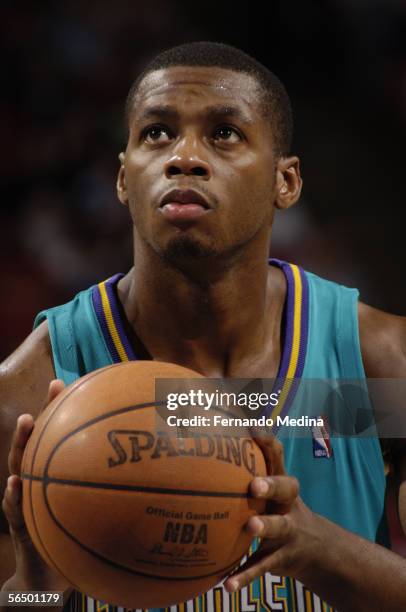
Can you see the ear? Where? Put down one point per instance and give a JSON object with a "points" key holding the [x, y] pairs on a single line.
{"points": [[288, 182], [121, 184]]}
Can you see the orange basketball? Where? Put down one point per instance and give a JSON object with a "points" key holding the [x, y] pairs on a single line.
{"points": [[126, 512]]}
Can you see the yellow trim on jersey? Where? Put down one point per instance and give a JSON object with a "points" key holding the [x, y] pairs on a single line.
{"points": [[308, 600], [217, 601], [297, 319], [111, 324], [296, 338]]}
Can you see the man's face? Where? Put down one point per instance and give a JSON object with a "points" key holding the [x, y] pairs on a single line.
{"points": [[200, 129]]}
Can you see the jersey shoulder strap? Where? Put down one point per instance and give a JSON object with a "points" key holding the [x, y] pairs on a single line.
{"points": [[78, 345]]}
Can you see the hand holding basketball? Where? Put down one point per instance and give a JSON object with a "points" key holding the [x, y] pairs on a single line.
{"points": [[129, 512], [291, 535], [31, 573]]}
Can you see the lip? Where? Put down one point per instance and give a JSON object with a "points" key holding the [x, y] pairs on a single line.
{"points": [[184, 197], [185, 213]]}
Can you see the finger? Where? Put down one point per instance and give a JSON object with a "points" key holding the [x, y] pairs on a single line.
{"points": [[13, 510], [272, 449], [54, 389], [274, 526], [12, 506], [257, 565], [25, 423], [279, 489]]}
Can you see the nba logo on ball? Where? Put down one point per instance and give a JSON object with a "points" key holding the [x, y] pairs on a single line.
{"points": [[321, 441]]}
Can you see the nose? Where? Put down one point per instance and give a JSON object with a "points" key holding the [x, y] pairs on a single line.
{"points": [[187, 160]]}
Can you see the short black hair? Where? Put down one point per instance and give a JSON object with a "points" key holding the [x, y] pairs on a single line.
{"points": [[276, 102]]}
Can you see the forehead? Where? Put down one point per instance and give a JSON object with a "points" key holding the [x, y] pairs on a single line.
{"points": [[199, 85]]}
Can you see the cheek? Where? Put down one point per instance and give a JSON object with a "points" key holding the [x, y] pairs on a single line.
{"points": [[256, 171], [252, 184], [136, 173], [135, 180], [140, 175]]}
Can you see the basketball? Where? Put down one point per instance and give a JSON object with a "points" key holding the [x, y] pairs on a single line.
{"points": [[126, 512]]}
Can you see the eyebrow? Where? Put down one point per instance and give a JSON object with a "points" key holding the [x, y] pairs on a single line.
{"points": [[164, 111]]}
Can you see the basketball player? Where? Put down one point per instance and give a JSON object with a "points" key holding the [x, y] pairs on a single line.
{"points": [[207, 163]]}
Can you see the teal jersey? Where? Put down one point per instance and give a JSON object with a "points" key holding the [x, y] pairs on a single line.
{"points": [[341, 478]]}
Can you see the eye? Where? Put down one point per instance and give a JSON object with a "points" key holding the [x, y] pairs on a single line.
{"points": [[154, 133], [227, 133]]}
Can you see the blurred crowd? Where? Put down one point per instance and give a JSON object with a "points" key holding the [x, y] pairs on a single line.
{"points": [[68, 67]]}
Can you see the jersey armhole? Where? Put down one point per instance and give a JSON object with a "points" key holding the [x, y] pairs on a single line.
{"points": [[62, 341], [348, 335]]}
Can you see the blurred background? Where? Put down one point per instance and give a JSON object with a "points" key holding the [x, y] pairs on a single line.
{"points": [[67, 68]]}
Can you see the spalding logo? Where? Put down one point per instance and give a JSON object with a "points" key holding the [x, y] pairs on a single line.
{"points": [[131, 445]]}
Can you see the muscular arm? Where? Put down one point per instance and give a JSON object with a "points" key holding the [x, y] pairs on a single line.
{"points": [[373, 577], [24, 380], [383, 346], [347, 571]]}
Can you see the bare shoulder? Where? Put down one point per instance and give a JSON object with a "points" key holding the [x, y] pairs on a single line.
{"points": [[25, 375], [383, 343], [24, 380]]}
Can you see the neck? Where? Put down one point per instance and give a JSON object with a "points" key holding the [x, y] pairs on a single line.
{"points": [[215, 323]]}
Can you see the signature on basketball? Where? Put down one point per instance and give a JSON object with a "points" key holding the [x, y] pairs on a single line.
{"points": [[179, 552]]}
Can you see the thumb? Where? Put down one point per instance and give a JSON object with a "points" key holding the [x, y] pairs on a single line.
{"points": [[54, 389], [12, 508]]}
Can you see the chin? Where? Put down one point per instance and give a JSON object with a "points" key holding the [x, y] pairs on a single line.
{"points": [[185, 248]]}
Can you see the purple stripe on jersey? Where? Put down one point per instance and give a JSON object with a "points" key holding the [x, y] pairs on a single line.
{"points": [[304, 324], [289, 312], [98, 308], [304, 329], [289, 321], [290, 397], [110, 285]]}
